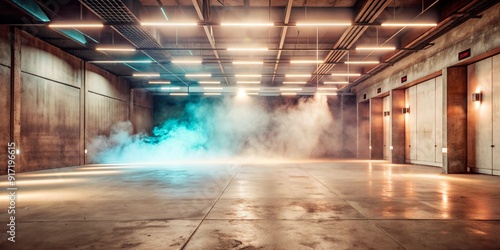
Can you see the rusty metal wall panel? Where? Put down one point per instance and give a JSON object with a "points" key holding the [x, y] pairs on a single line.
{"points": [[102, 113], [50, 118]]}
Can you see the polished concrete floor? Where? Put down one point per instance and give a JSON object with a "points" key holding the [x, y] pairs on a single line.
{"points": [[258, 205]]}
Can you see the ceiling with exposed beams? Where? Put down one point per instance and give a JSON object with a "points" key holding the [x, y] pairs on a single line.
{"points": [[318, 40]]}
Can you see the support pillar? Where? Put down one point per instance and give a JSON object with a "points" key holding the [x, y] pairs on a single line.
{"points": [[363, 130], [398, 102], [15, 95], [455, 120], [376, 129]]}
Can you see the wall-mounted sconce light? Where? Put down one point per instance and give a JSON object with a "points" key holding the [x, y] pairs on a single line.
{"points": [[387, 113], [405, 110], [477, 97]]}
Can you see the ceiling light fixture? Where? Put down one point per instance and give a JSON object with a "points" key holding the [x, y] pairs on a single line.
{"points": [[247, 24], [208, 82], [361, 62], [198, 75], [323, 24], [408, 24], [146, 74], [253, 89], [288, 93], [179, 94], [212, 94], [375, 48], [326, 94], [159, 82], [170, 88], [169, 24], [290, 89], [212, 88], [327, 88], [75, 25], [346, 74], [118, 49], [305, 61], [118, 61]]}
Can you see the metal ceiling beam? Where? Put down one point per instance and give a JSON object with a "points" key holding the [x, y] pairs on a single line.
{"points": [[209, 34], [288, 11], [457, 13], [368, 12]]}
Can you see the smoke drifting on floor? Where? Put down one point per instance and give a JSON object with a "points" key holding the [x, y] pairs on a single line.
{"points": [[238, 126]]}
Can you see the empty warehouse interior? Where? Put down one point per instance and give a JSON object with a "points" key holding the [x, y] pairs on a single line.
{"points": [[239, 124]]}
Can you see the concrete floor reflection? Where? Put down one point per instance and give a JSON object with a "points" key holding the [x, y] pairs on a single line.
{"points": [[229, 204]]}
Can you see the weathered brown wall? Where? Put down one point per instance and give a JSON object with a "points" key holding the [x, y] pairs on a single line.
{"points": [[107, 101], [50, 87], [4, 94], [64, 103]]}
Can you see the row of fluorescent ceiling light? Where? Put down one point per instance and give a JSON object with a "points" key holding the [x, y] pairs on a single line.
{"points": [[245, 24], [176, 91]]}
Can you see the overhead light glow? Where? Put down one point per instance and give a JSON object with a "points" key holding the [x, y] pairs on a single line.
{"points": [[247, 82], [159, 82], [186, 61], [291, 89], [327, 88], [346, 74], [341, 82], [409, 24], [288, 93], [305, 61], [247, 49], [211, 93], [252, 89], [324, 24], [326, 93], [208, 82], [125, 61], [252, 93], [247, 24], [361, 62], [170, 88], [294, 82], [297, 75], [179, 94], [169, 24], [198, 75], [375, 48], [212, 88], [247, 62], [248, 75], [146, 74], [118, 49], [76, 25]]}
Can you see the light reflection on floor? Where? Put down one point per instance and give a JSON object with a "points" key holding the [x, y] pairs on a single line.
{"points": [[243, 202]]}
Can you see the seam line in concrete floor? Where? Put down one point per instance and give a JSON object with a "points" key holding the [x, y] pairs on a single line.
{"points": [[213, 205], [373, 223]]}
